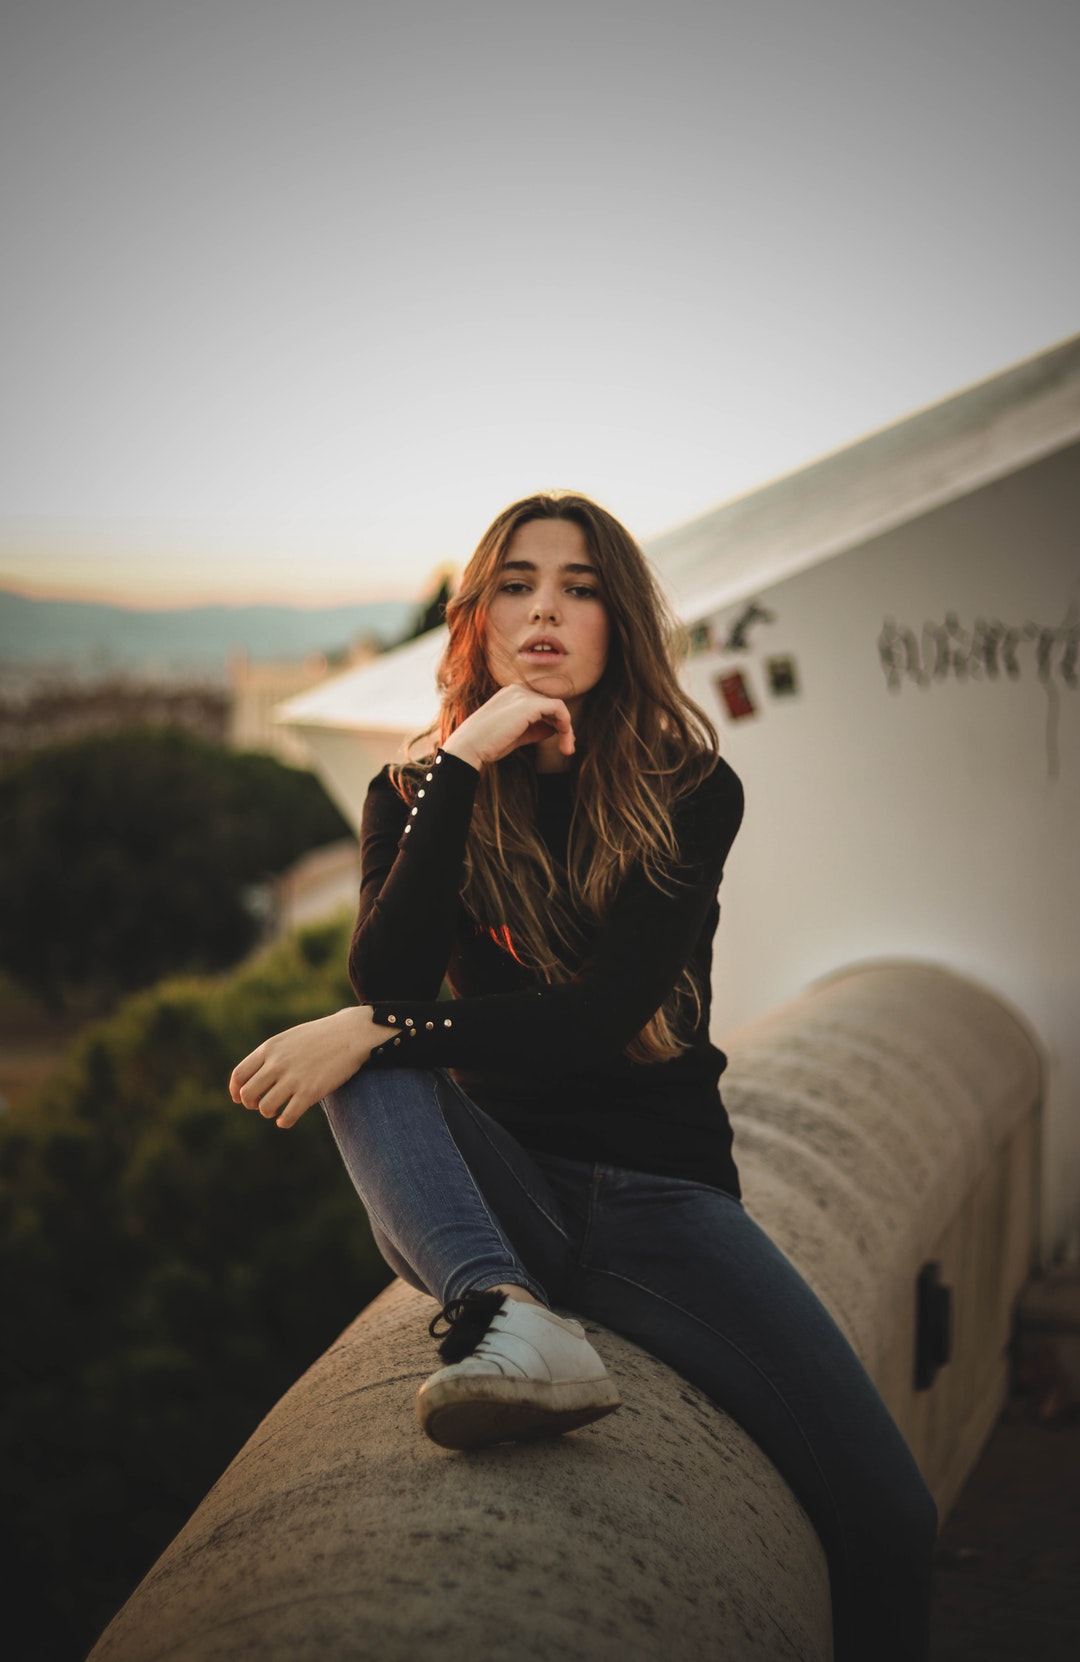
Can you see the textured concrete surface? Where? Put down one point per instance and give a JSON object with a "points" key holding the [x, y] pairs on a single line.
{"points": [[885, 1119], [882, 1119], [865, 1111], [341, 1532]]}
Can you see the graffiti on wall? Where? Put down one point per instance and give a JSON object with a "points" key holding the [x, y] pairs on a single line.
{"points": [[989, 649], [737, 638]]}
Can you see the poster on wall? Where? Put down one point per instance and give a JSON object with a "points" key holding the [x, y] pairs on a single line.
{"points": [[783, 677], [735, 693]]}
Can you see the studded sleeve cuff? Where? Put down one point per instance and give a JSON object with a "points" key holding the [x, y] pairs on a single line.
{"points": [[554, 1026], [432, 1027], [443, 802]]}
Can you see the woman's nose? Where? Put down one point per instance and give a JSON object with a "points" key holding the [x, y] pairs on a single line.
{"points": [[545, 609]]}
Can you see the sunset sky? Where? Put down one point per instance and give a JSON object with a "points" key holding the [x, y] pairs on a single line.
{"points": [[297, 295]]}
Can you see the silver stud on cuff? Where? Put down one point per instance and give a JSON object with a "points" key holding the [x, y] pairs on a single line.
{"points": [[408, 828], [448, 1022], [438, 761], [429, 777], [397, 1039], [392, 1020], [419, 794], [429, 1025], [415, 811]]}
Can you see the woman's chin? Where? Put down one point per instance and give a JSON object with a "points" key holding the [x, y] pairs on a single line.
{"points": [[554, 681]]}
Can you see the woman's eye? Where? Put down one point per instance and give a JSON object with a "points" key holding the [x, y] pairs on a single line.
{"points": [[514, 586], [582, 591]]}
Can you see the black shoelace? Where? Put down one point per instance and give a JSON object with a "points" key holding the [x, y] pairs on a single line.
{"points": [[467, 1320]]}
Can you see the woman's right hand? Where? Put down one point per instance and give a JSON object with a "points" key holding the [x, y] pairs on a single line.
{"points": [[513, 716], [286, 1074]]}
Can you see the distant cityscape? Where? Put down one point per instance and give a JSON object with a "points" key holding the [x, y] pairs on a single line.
{"points": [[40, 639], [69, 669]]}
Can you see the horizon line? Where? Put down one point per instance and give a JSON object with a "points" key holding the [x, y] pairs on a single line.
{"points": [[179, 600]]}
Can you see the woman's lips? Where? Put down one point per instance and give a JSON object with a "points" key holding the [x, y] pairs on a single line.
{"points": [[542, 650]]}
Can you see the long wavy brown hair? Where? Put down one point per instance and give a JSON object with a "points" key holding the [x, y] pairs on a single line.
{"points": [[641, 745]]}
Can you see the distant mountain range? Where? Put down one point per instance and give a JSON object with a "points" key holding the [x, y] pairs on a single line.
{"points": [[87, 638]]}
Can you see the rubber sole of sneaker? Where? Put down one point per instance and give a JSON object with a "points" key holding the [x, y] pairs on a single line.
{"points": [[473, 1410]]}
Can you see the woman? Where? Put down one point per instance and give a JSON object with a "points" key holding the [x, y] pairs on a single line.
{"points": [[556, 856]]}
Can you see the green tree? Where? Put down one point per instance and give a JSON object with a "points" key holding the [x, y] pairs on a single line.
{"points": [[129, 856], [170, 1263], [431, 612]]}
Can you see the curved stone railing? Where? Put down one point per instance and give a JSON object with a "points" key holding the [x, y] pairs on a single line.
{"points": [[884, 1119]]}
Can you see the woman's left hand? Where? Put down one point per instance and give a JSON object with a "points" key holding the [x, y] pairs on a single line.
{"points": [[286, 1074]]}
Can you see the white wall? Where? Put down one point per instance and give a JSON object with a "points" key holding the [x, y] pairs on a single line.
{"points": [[922, 822]]}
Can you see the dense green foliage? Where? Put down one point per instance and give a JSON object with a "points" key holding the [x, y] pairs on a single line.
{"points": [[170, 1264], [132, 855]]}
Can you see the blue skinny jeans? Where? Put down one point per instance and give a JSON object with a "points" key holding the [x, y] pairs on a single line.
{"points": [[457, 1205]]}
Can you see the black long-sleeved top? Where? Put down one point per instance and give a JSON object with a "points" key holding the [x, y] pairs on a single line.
{"points": [[547, 1061]]}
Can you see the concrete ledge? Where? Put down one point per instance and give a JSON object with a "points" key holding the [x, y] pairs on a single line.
{"points": [[340, 1532], [885, 1118]]}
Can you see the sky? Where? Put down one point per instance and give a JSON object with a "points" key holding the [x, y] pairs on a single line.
{"points": [[296, 296]]}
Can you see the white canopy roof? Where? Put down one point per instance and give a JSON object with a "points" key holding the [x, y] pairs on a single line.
{"points": [[394, 693], [741, 548], [884, 480]]}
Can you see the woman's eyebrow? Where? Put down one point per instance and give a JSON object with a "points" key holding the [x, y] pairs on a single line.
{"points": [[528, 565]]}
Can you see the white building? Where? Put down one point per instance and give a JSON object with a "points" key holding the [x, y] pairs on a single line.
{"points": [[902, 703], [258, 686]]}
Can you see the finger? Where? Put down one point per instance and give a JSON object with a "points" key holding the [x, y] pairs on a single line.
{"points": [[560, 717], [536, 732], [242, 1072], [256, 1087], [549, 728], [562, 724], [292, 1112], [274, 1099]]}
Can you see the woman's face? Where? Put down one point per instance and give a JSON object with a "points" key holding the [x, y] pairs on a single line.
{"points": [[547, 626]]}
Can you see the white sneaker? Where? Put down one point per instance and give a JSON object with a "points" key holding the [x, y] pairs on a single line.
{"points": [[516, 1371]]}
